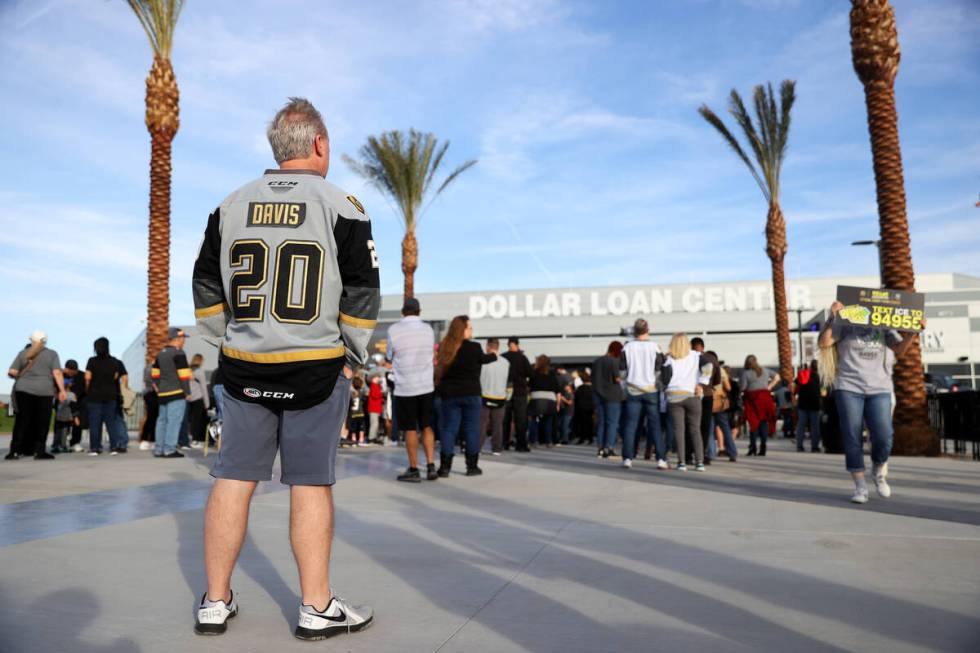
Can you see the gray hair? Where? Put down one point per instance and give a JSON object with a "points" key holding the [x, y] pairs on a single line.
{"points": [[292, 131]]}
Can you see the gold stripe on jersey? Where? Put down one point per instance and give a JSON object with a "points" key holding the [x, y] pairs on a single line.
{"points": [[211, 311], [170, 394], [357, 322], [285, 356]]}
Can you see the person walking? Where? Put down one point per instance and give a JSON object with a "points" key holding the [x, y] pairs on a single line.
{"points": [[493, 389], [409, 348], [199, 403], [682, 370], [36, 371], [807, 390], [607, 371], [102, 389], [544, 401], [171, 376], [288, 353], [644, 362], [756, 384], [858, 364], [458, 376], [515, 412], [721, 410]]}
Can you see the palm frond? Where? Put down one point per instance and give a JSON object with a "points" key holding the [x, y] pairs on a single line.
{"points": [[403, 167], [717, 123], [159, 21]]}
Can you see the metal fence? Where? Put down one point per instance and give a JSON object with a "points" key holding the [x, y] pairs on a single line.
{"points": [[956, 418]]}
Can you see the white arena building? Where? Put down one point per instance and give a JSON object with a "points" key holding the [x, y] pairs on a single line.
{"points": [[575, 325]]}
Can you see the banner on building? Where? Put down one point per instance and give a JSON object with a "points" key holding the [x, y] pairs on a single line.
{"points": [[881, 308]]}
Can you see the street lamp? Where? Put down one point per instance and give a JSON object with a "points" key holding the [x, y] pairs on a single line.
{"points": [[877, 244]]}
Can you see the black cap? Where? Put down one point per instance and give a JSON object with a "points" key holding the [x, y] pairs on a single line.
{"points": [[513, 340], [175, 332], [71, 364], [411, 307]]}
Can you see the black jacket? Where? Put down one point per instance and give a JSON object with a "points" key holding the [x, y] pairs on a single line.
{"points": [[520, 371]]}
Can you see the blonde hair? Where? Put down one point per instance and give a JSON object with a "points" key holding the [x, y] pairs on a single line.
{"points": [[680, 346], [827, 366]]}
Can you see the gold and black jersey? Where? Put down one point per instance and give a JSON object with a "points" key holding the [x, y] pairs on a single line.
{"points": [[287, 278]]}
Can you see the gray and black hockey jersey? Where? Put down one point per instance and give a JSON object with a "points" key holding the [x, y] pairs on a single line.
{"points": [[287, 278]]}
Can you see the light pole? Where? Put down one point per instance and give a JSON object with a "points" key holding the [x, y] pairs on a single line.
{"points": [[877, 244]]}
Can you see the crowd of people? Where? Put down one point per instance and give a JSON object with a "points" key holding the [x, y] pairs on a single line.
{"points": [[680, 409], [177, 402]]}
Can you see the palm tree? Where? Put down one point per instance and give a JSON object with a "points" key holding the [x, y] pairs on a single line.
{"points": [[875, 53], [768, 146], [403, 168], [159, 19]]}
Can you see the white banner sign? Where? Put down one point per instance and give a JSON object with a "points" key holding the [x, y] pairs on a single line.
{"points": [[640, 301]]}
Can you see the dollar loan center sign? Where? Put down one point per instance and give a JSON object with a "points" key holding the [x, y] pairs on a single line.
{"points": [[632, 301]]}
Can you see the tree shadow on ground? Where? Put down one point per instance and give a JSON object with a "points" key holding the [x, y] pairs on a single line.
{"points": [[902, 620], [961, 512], [29, 630]]}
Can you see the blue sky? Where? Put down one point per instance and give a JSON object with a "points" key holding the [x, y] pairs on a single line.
{"points": [[594, 167]]}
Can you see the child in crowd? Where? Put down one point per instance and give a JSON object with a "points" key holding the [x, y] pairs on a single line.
{"points": [[356, 412], [65, 417], [375, 405]]}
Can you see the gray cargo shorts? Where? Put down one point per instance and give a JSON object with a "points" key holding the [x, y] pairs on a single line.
{"points": [[307, 440]]}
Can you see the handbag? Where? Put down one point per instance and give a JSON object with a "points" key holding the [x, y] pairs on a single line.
{"points": [[719, 399]]}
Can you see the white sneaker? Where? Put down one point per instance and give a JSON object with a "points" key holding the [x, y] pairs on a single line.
{"points": [[78, 448], [146, 445], [494, 453], [860, 493], [339, 617], [627, 463], [881, 480], [213, 616], [662, 464], [197, 445]]}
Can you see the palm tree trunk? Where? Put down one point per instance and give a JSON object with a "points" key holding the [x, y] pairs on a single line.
{"points": [[410, 261], [913, 433], [162, 121], [158, 271], [776, 247]]}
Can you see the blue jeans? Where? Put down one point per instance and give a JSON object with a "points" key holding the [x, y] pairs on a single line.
{"points": [[809, 418], [610, 430], [564, 426], [762, 432], [600, 420], [219, 400], [168, 425], [724, 422], [857, 409], [541, 427], [455, 412], [638, 406], [104, 412]]}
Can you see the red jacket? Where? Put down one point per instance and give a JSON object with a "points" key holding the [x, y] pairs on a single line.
{"points": [[375, 400]]}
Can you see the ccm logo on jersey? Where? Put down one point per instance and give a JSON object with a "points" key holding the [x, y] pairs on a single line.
{"points": [[275, 214], [266, 394]]}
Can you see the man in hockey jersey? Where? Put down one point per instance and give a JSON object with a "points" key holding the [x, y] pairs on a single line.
{"points": [[287, 279]]}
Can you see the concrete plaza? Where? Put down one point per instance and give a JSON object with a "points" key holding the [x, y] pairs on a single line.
{"points": [[549, 551]]}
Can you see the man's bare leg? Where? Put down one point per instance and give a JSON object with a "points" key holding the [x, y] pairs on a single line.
{"points": [[225, 523], [412, 448], [429, 444], [311, 534]]}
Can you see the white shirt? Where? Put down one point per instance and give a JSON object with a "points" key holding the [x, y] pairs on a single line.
{"points": [[684, 376], [641, 365], [410, 350]]}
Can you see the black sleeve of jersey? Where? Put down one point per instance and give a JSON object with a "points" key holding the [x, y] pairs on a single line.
{"points": [[208, 290], [357, 261]]}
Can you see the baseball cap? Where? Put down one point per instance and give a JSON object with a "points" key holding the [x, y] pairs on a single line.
{"points": [[175, 332], [513, 340], [71, 364], [39, 336], [411, 306]]}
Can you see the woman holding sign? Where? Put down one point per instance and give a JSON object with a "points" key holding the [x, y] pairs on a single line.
{"points": [[858, 361]]}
